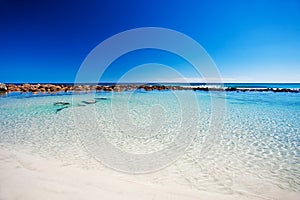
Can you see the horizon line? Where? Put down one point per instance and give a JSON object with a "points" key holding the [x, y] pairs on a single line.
{"points": [[154, 82]]}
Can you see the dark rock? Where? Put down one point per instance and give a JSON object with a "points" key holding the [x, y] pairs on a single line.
{"points": [[3, 87], [60, 109], [89, 102], [61, 103], [230, 89], [107, 89], [101, 98]]}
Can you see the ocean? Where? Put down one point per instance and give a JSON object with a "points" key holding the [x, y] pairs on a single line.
{"points": [[232, 143], [233, 85]]}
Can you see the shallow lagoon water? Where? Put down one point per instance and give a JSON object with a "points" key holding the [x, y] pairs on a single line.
{"points": [[256, 153]]}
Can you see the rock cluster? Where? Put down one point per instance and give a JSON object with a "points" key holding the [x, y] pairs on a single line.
{"points": [[36, 88], [51, 88]]}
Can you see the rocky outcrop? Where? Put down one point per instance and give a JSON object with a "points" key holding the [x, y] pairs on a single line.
{"points": [[52, 88]]}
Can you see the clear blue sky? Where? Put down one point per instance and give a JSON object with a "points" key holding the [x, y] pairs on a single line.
{"points": [[249, 40]]}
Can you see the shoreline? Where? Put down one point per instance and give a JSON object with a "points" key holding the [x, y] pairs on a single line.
{"points": [[54, 88], [32, 177]]}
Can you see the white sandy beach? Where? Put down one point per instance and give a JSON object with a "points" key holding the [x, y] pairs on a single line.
{"points": [[28, 177]]}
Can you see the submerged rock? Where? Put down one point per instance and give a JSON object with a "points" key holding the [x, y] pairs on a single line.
{"points": [[101, 98], [61, 103], [89, 102], [59, 109]]}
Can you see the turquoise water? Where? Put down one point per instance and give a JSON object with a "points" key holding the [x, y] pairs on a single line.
{"points": [[257, 148]]}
